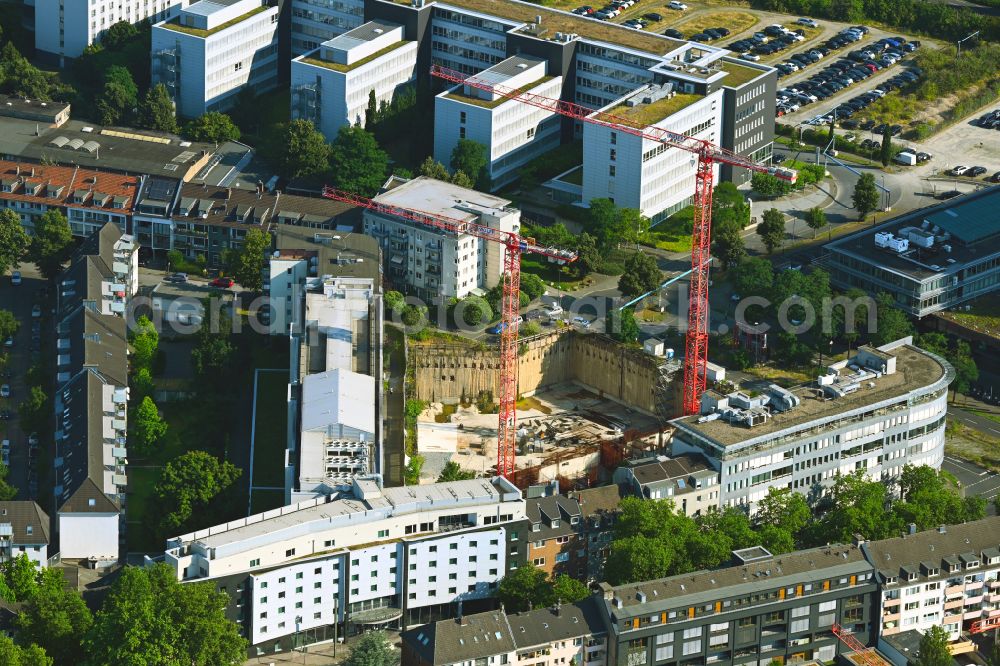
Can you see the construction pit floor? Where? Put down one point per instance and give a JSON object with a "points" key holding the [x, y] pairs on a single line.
{"points": [[559, 429]]}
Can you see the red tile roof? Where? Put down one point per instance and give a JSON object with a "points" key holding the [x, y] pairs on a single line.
{"points": [[70, 179]]}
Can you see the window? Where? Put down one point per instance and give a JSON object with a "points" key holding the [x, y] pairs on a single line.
{"points": [[611, 170], [255, 562], [238, 66], [290, 552], [691, 647], [538, 561], [800, 625], [383, 534], [461, 132]]}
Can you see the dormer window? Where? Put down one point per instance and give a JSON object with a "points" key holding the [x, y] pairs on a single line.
{"points": [[574, 520], [972, 564], [955, 568], [912, 576], [891, 580], [933, 572]]}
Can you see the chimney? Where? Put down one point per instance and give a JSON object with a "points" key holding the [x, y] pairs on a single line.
{"points": [[558, 607], [32, 171], [18, 170], [459, 617]]}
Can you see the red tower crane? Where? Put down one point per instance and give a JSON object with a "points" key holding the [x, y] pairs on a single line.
{"points": [[696, 346], [864, 654], [514, 245]]}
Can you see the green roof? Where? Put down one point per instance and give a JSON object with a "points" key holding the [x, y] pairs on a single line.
{"points": [[972, 220], [492, 104], [737, 75], [644, 115], [174, 24], [338, 67]]}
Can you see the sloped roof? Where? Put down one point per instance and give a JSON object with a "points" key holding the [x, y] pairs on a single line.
{"points": [[88, 498], [23, 516]]}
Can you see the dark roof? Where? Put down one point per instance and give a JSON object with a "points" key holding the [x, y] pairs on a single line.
{"points": [[88, 498], [970, 219], [22, 517], [940, 548], [97, 341], [599, 501], [552, 514], [220, 206], [472, 637], [545, 625], [328, 246], [658, 470]]}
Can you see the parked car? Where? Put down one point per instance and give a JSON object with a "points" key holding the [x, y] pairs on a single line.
{"points": [[176, 277], [809, 22], [673, 4], [5, 452], [950, 194], [995, 178], [975, 171], [586, 10], [673, 33], [959, 170], [15, 278], [36, 311], [752, 57], [5, 391], [222, 282], [652, 16]]}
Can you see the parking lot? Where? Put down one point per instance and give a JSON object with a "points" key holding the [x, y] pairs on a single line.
{"points": [[974, 480]]}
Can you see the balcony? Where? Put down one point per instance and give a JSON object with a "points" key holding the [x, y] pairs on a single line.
{"points": [[954, 589], [889, 603], [890, 617], [954, 603]]}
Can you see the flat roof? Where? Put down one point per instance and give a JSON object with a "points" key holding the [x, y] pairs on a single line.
{"points": [[970, 220], [341, 67], [175, 24], [338, 397], [459, 96], [915, 369], [554, 21], [738, 74], [360, 35], [648, 114], [428, 195]]}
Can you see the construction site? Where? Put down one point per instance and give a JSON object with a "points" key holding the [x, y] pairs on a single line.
{"points": [[585, 403]]}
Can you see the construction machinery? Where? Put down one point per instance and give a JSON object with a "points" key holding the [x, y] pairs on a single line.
{"points": [[708, 154], [981, 626], [514, 245]]}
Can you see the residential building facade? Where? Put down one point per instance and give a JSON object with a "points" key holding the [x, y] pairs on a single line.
{"points": [[24, 529], [882, 409], [689, 481], [555, 541], [213, 49]]}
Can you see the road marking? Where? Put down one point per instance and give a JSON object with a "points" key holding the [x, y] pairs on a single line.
{"points": [[976, 483], [959, 464]]}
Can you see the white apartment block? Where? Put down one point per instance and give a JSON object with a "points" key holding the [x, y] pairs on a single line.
{"points": [[636, 172], [65, 28], [331, 86], [212, 50], [513, 133], [318, 21], [948, 577], [431, 263], [882, 409], [367, 558]]}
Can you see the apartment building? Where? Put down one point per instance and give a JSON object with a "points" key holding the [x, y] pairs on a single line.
{"points": [[91, 398], [688, 480], [64, 29], [928, 260], [24, 529], [370, 557], [881, 409], [512, 132], [212, 49], [89, 199], [599, 511], [430, 263], [948, 577], [154, 204], [318, 21], [332, 85], [210, 220], [555, 533], [562, 634]]}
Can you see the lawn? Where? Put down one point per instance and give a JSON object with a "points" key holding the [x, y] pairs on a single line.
{"points": [[736, 22], [963, 442], [983, 317], [140, 535], [270, 428], [554, 275], [672, 234]]}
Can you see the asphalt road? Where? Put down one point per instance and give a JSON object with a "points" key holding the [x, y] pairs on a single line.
{"points": [[974, 480], [975, 421]]}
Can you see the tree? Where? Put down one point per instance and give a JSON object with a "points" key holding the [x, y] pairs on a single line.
{"points": [[145, 341], [7, 491], [930, 497], [142, 384], [34, 410], [249, 262], [727, 242], [433, 169], [638, 558], [462, 180], [567, 590], [14, 240], [150, 618], [51, 243], [414, 315], [157, 110], [886, 146], [769, 186], [470, 157], [772, 229], [120, 96], [532, 285], [589, 258], [815, 219], [358, 164], [393, 301], [452, 472], [9, 324], [373, 649], [782, 506], [212, 127], [146, 428], [118, 34], [891, 321], [866, 196], [524, 588], [411, 472], [641, 275], [475, 310], [304, 150], [55, 618], [19, 77], [371, 113], [966, 370], [856, 506], [934, 648], [729, 203], [622, 326], [994, 659], [13, 654], [190, 482]]}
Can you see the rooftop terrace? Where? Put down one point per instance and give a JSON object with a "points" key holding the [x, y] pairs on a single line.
{"points": [[915, 369]]}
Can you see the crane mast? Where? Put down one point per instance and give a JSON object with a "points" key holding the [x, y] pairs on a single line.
{"points": [[709, 154]]}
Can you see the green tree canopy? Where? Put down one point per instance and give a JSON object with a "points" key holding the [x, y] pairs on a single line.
{"points": [[754, 276], [728, 203], [470, 158], [190, 482], [769, 186], [14, 240], [393, 301], [246, 264], [525, 587], [373, 649], [51, 243], [145, 341], [893, 323], [866, 196], [432, 169], [304, 150], [934, 648], [930, 497], [12, 654], [55, 618], [815, 219], [452, 472], [19, 77], [532, 285], [212, 127], [727, 242], [146, 428], [7, 491], [641, 275], [358, 163], [157, 110], [567, 590], [622, 326], [772, 229], [118, 34], [887, 151], [150, 618], [462, 180], [9, 324], [34, 410], [120, 96]]}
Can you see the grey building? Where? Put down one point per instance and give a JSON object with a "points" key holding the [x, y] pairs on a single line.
{"points": [[928, 260], [763, 607], [688, 480], [599, 508]]}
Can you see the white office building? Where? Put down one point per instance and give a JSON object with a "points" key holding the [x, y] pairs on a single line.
{"points": [[513, 133], [432, 263], [332, 85], [64, 29], [640, 173], [368, 558], [882, 409], [318, 21], [212, 50]]}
